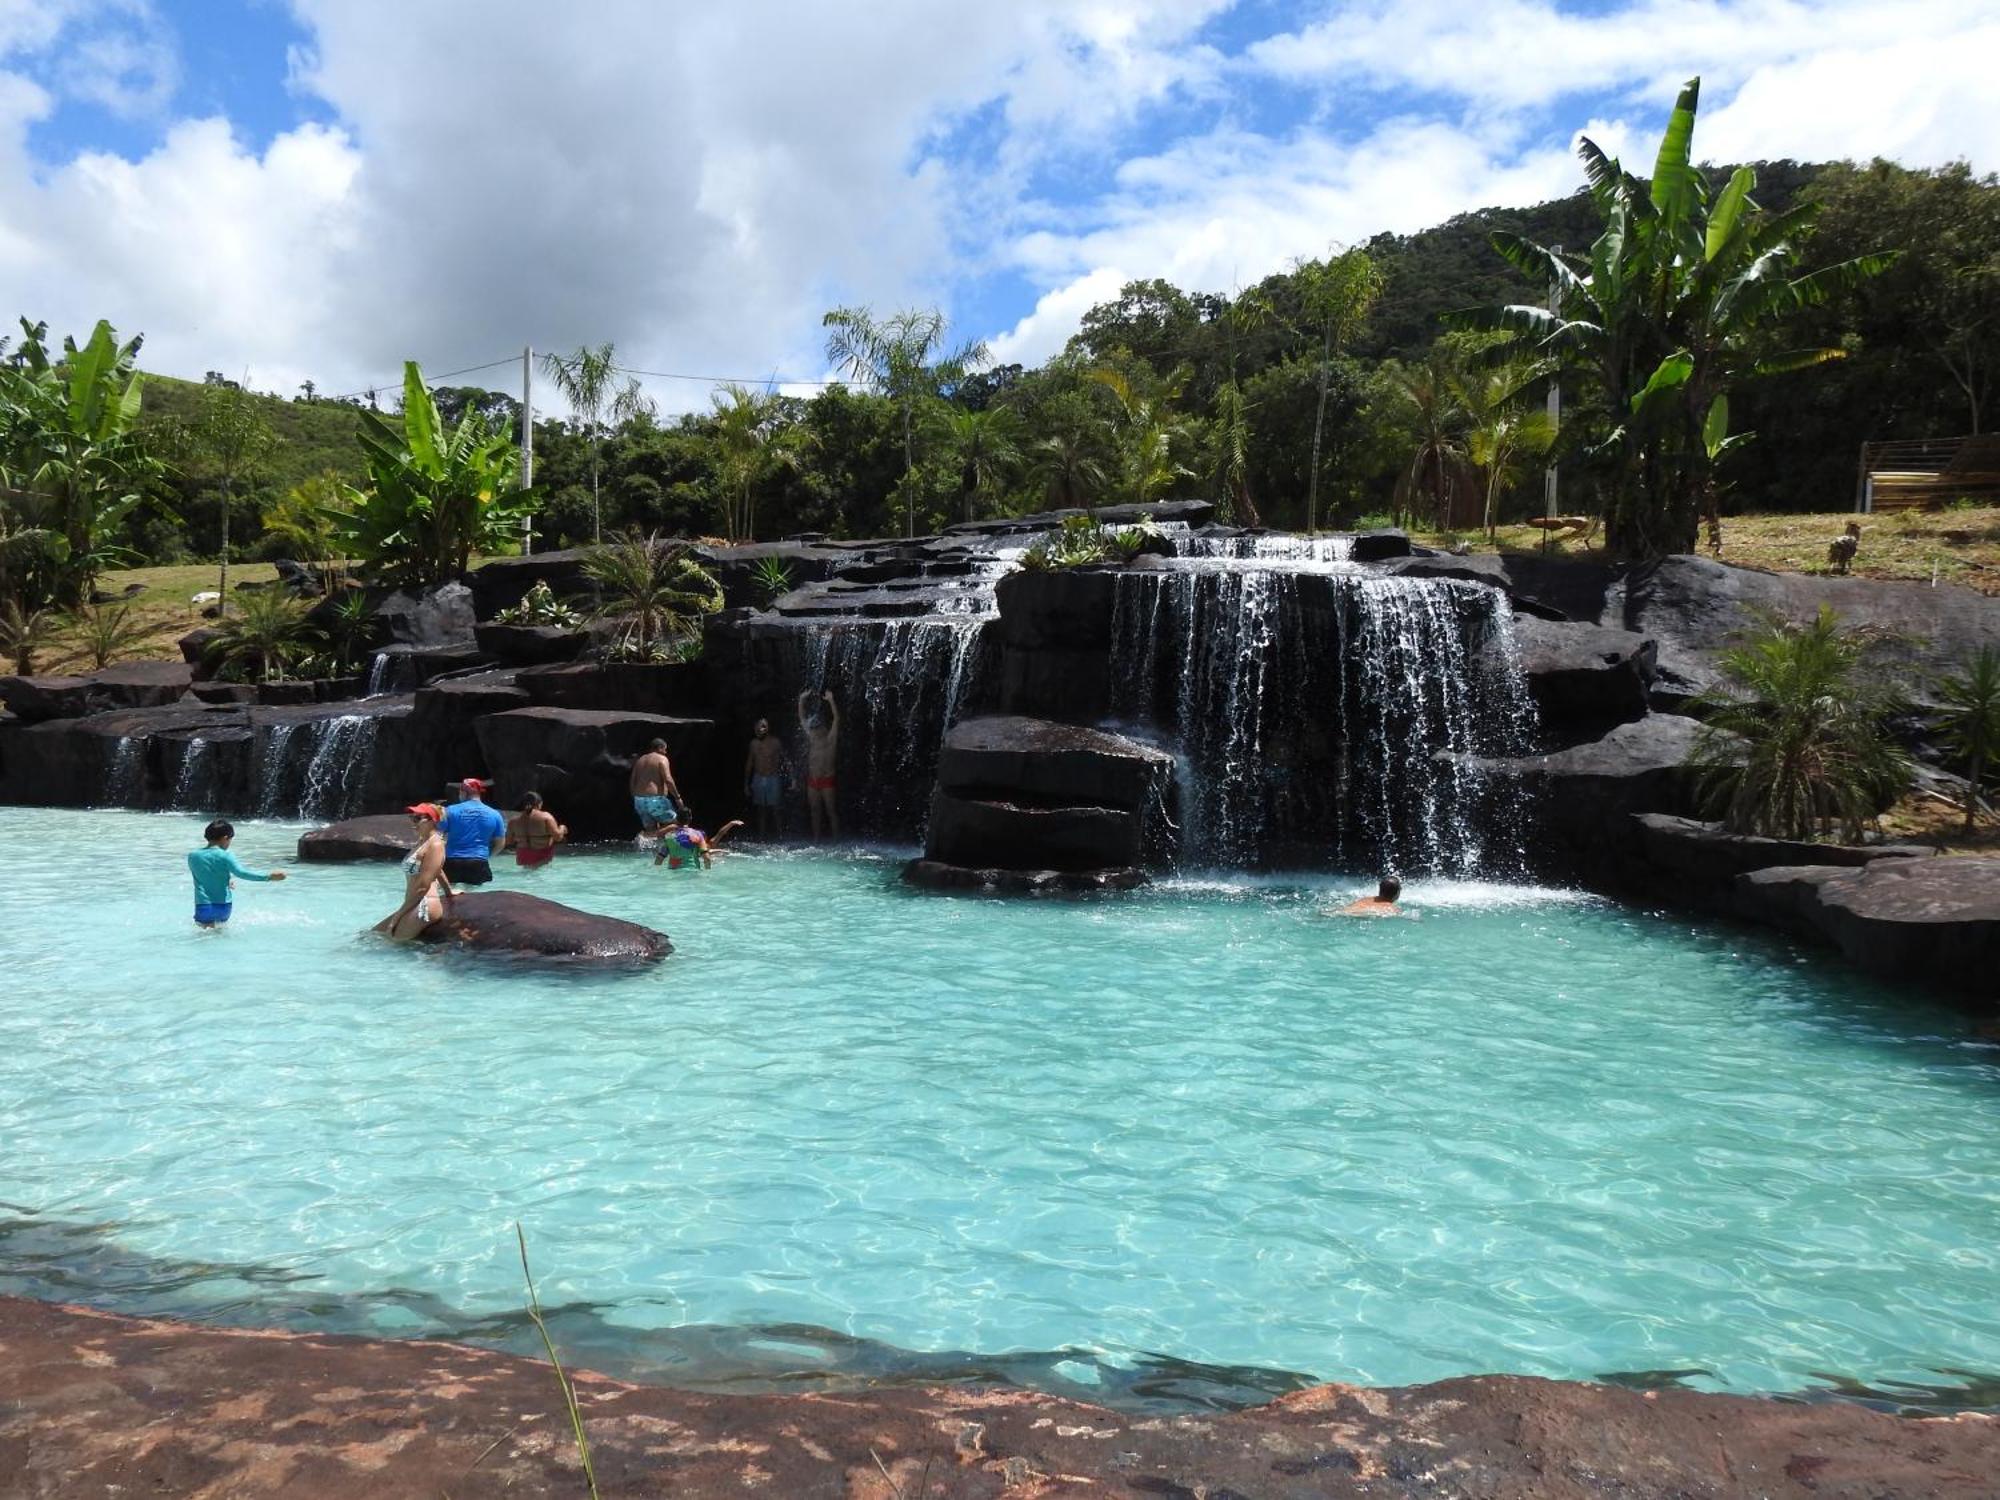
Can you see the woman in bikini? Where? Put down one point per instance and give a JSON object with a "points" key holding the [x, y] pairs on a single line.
{"points": [[425, 890], [534, 833]]}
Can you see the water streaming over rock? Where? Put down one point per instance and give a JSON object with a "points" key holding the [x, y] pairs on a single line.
{"points": [[194, 788], [379, 671], [125, 783], [275, 780], [336, 775], [1322, 711]]}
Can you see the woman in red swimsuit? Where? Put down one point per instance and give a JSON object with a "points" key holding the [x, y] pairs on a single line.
{"points": [[534, 833]]}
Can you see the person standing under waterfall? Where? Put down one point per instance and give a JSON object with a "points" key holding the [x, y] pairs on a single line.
{"points": [[213, 867], [473, 834], [655, 797], [765, 768], [821, 722]]}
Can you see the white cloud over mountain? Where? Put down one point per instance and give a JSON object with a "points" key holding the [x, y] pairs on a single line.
{"points": [[701, 186]]}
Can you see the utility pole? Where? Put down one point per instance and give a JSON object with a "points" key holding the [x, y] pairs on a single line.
{"points": [[527, 442], [1555, 418]]}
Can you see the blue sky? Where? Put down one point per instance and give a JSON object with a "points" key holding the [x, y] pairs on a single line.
{"points": [[295, 189]]}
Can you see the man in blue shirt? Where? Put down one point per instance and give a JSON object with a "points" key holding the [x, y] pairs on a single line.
{"points": [[473, 833]]}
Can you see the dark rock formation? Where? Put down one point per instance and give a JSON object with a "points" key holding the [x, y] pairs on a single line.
{"points": [[377, 836], [133, 684], [530, 645], [505, 581], [92, 1404], [580, 759], [1380, 546], [1055, 642], [441, 616], [1695, 865], [935, 875], [403, 668], [517, 925], [1584, 677], [1040, 800], [1935, 921], [1192, 513], [632, 687]]}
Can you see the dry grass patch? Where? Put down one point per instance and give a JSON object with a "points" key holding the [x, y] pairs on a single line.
{"points": [[163, 606]]}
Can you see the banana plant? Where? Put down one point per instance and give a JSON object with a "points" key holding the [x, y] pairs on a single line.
{"points": [[1670, 310], [434, 496]]}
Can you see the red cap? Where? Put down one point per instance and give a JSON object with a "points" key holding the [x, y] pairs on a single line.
{"points": [[426, 810], [474, 784]]}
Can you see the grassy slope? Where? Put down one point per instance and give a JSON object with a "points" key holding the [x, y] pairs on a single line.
{"points": [[1954, 546], [313, 437], [164, 606]]}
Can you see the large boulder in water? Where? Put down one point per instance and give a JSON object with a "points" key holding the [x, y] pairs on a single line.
{"points": [[515, 924], [379, 836], [1584, 677]]}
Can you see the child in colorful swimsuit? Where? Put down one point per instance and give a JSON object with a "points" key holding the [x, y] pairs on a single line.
{"points": [[685, 847], [212, 868]]}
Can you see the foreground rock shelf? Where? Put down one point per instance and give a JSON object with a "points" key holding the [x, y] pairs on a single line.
{"points": [[96, 1405]]}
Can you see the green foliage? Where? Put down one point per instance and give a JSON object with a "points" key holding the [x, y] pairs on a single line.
{"points": [[753, 442], [1971, 702], [266, 636], [1080, 543], [105, 632], [539, 606], [1793, 742], [300, 524], [73, 467], [588, 380], [350, 629], [773, 578], [24, 631], [434, 496], [655, 592], [1666, 315]]}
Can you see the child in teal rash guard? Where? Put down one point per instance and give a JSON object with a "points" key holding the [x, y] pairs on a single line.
{"points": [[212, 868]]}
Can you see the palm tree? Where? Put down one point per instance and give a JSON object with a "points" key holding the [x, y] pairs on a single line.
{"points": [[652, 587], [1068, 465], [898, 356], [105, 632], [267, 635], [985, 449], [1339, 294], [1150, 436], [1502, 427], [1666, 313], [587, 380], [753, 441], [1972, 722], [1432, 396], [1792, 743]]}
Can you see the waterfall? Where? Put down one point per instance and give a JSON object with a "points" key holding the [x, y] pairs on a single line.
{"points": [[336, 777], [378, 675], [193, 790], [1269, 547], [1322, 711], [125, 786], [273, 765]]}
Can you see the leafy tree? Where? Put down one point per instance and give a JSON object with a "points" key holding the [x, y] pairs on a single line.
{"points": [[434, 496], [1338, 294], [753, 442], [902, 357], [72, 466], [653, 588], [1503, 426], [1793, 743], [302, 522], [1972, 723], [1667, 315], [1150, 436], [105, 632], [228, 441], [268, 635], [1431, 399]]}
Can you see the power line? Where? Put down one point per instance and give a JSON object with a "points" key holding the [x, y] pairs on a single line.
{"points": [[725, 379], [491, 364]]}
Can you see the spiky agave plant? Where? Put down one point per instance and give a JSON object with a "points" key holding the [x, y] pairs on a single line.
{"points": [[652, 588], [1794, 742], [265, 638]]}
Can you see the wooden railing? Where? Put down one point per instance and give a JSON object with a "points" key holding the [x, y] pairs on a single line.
{"points": [[1913, 474]]}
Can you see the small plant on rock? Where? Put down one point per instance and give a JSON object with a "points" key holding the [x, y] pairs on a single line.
{"points": [[654, 592], [772, 577], [540, 606], [1794, 743]]}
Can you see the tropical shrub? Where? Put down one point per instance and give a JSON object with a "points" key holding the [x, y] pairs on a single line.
{"points": [[300, 524], [539, 606], [655, 593], [1972, 723], [105, 632], [266, 636], [773, 578], [1794, 743], [24, 631], [434, 496]]}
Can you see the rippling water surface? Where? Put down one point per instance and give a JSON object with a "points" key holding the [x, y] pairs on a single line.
{"points": [[1202, 1130]]}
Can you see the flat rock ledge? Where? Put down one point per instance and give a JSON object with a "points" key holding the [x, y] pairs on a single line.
{"points": [[937, 875], [514, 924], [97, 1405]]}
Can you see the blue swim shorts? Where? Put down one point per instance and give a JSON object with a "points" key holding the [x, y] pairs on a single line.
{"points": [[655, 812], [212, 913], [767, 791]]}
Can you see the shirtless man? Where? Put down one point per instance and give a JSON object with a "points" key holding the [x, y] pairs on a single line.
{"points": [[655, 797], [822, 726], [1381, 904], [764, 772]]}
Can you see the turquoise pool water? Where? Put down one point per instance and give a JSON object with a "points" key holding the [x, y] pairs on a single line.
{"points": [[1184, 1142]]}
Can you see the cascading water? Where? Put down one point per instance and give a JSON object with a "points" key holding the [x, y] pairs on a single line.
{"points": [[193, 786], [1322, 710], [336, 776], [275, 796], [125, 784]]}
